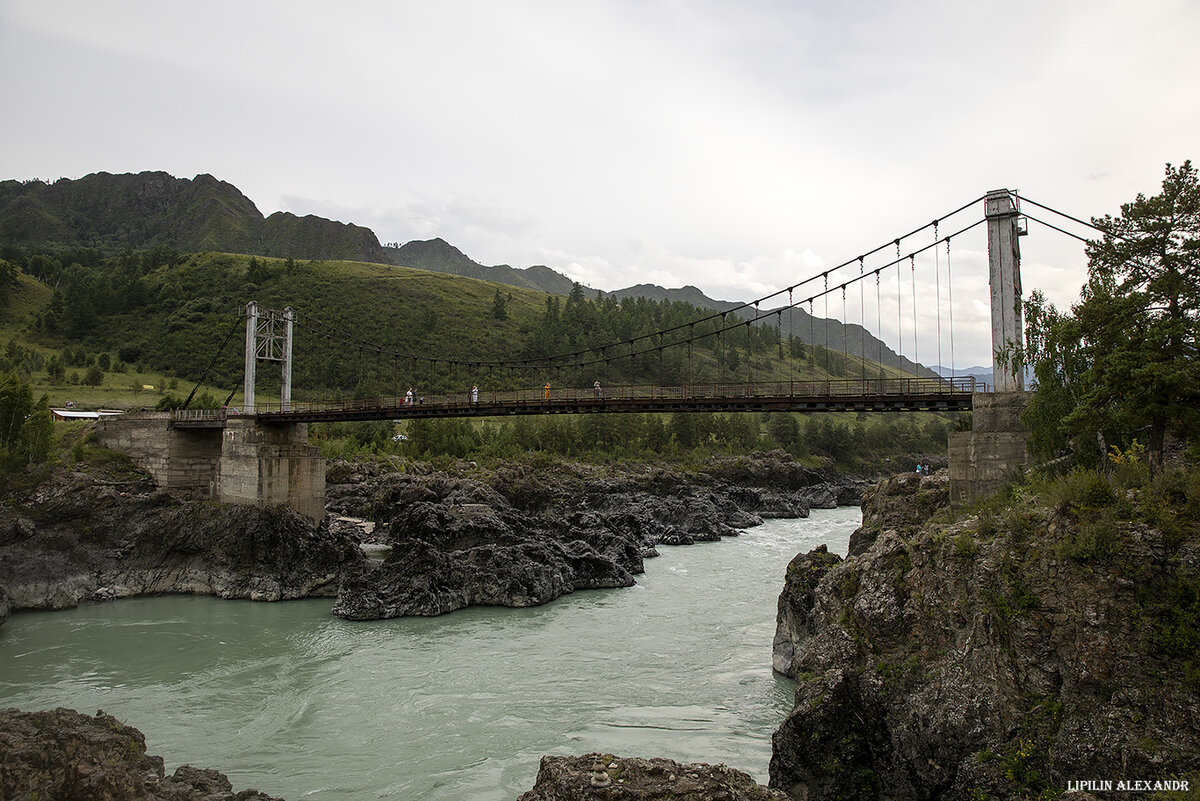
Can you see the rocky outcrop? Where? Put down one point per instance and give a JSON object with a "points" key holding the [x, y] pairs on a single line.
{"points": [[998, 656], [5, 606], [804, 574], [903, 502], [522, 535], [457, 543], [592, 776], [100, 533], [62, 754]]}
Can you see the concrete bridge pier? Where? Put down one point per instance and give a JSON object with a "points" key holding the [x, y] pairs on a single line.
{"points": [[982, 459], [237, 460], [264, 465]]}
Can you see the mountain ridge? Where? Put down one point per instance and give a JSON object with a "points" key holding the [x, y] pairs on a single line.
{"points": [[148, 209]]}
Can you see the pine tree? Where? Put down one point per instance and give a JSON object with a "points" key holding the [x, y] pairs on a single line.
{"points": [[1124, 361]]}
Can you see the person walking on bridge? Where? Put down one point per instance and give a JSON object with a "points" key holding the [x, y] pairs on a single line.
{"points": [[596, 386], [475, 394], [546, 391]]}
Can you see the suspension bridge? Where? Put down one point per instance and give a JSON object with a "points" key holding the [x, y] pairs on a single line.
{"points": [[262, 456]]}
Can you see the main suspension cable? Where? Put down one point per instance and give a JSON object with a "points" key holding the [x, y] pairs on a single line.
{"points": [[333, 332], [217, 355]]}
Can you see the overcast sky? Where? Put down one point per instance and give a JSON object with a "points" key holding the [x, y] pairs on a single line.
{"points": [[739, 147]]}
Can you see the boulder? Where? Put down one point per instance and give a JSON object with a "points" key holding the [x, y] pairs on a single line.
{"points": [[593, 776], [62, 755]]}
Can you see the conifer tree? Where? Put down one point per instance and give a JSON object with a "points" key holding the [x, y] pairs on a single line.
{"points": [[1123, 363]]}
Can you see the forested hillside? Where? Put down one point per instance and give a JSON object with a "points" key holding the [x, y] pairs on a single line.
{"points": [[368, 330], [440, 256]]}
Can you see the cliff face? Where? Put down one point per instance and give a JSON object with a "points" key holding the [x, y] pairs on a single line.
{"points": [[999, 656], [100, 532]]}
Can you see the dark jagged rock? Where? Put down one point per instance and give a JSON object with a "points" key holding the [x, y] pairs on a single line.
{"points": [[62, 755], [5, 606], [96, 535], [593, 776], [521, 536], [420, 579], [793, 623], [457, 543], [983, 658]]}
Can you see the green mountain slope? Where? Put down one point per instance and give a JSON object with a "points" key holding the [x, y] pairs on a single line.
{"points": [[439, 256], [112, 213]]}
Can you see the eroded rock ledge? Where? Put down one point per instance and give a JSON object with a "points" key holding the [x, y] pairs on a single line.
{"points": [[108, 532], [983, 658], [62, 754]]}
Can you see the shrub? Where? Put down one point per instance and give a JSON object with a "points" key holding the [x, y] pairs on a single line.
{"points": [[1093, 539], [1079, 489], [965, 546]]}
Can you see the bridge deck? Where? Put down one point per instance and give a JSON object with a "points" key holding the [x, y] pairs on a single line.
{"points": [[870, 395]]}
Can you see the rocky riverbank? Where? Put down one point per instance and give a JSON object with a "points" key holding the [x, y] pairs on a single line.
{"points": [[516, 536], [103, 531], [999, 656], [62, 755]]}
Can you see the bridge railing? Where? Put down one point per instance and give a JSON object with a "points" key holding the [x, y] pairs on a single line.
{"points": [[589, 396], [195, 415]]}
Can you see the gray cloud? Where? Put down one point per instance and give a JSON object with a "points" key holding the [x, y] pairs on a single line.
{"points": [[694, 142]]}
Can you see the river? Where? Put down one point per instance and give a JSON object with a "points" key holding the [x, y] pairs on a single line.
{"points": [[287, 699]]}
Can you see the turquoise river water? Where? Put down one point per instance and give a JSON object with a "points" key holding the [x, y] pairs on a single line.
{"points": [[287, 699]]}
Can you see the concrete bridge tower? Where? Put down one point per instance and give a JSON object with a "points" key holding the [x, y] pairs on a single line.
{"points": [[268, 339], [1004, 278], [982, 458], [232, 458]]}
